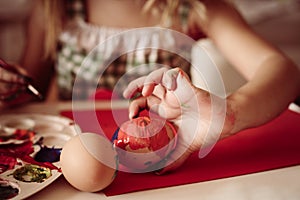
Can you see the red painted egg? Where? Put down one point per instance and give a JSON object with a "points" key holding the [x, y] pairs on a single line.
{"points": [[142, 143]]}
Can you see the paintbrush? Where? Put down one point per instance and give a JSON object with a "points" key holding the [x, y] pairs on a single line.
{"points": [[25, 80]]}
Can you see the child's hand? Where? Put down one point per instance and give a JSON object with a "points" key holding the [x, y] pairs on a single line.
{"points": [[15, 86], [170, 93], [11, 81]]}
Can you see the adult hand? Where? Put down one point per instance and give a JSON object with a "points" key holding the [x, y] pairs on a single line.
{"points": [[170, 93]]}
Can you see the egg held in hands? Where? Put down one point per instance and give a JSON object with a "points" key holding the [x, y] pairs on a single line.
{"points": [[89, 162], [144, 143]]}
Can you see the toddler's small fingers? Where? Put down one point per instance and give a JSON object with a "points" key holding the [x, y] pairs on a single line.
{"points": [[153, 79], [133, 87], [136, 105], [169, 78]]}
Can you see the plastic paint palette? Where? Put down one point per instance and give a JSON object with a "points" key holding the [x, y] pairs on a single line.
{"points": [[42, 132]]}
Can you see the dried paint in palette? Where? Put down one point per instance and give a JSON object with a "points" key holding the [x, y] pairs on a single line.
{"points": [[8, 189], [30, 146], [47, 154], [32, 173]]}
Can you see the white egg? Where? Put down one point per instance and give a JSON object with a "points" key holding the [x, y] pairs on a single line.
{"points": [[89, 162]]}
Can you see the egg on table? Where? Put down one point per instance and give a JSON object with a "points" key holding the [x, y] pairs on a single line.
{"points": [[89, 162], [142, 143]]}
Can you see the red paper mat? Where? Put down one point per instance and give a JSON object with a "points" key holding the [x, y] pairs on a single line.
{"points": [[271, 146]]}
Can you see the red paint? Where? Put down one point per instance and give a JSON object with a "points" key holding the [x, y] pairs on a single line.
{"points": [[140, 133]]}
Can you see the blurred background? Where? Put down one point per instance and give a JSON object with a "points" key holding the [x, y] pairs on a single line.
{"points": [[276, 20], [13, 15]]}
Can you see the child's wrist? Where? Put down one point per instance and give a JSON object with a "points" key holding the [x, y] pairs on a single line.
{"points": [[230, 124]]}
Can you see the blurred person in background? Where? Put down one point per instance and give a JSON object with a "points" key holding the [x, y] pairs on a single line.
{"points": [[60, 35], [63, 33]]}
